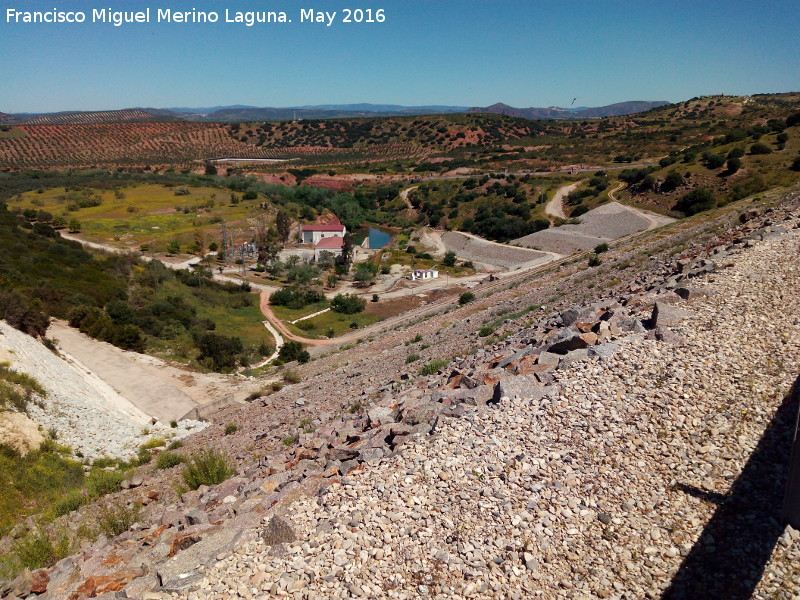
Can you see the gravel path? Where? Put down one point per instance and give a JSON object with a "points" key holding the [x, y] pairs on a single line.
{"points": [[603, 485]]}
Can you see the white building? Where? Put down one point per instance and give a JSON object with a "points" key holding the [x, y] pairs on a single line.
{"points": [[424, 274], [312, 234]]}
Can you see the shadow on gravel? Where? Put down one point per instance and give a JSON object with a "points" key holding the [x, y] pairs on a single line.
{"points": [[728, 559]]}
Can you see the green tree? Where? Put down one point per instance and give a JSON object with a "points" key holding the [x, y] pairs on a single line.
{"points": [[211, 169], [74, 226], [173, 247], [348, 304], [713, 160], [672, 181], [365, 272], [283, 226], [449, 259], [292, 350], [796, 164], [734, 164], [696, 201], [347, 248], [219, 351], [760, 149]]}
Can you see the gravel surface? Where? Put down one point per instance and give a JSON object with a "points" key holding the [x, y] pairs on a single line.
{"points": [[637, 450], [470, 248], [602, 485], [603, 224]]}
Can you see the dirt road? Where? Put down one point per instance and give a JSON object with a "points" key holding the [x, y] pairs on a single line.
{"points": [[555, 208]]}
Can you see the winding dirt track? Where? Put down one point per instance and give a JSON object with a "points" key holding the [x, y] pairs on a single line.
{"points": [[611, 193], [555, 208]]}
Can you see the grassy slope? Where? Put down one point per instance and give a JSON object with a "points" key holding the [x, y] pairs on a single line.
{"points": [[148, 213]]}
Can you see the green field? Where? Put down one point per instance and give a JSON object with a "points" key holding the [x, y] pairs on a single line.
{"points": [[139, 214], [322, 325]]}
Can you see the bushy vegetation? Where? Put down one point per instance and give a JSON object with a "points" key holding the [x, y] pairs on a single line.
{"points": [[17, 389], [32, 483], [39, 548], [295, 297], [168, 459], [292, 350], [348, 304], [207, 467], [696, 201], [116, 518], [433, 367]]}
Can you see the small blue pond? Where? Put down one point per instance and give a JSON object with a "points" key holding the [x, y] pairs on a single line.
{"points": [[378, 238]]}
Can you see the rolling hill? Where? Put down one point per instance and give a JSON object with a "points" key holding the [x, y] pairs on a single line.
{"points": [[555, 112]]}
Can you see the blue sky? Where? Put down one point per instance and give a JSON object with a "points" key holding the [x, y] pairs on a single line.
{"points": [[459, 52]]}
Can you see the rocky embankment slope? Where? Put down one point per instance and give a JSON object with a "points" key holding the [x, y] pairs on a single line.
{"points": [[626, 446], [80, 409]]}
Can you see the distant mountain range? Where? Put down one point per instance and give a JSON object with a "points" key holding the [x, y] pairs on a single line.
{"points": [[555, 112], [243, 113]]}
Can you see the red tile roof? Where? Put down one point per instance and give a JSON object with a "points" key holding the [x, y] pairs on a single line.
{"points": [[329, 227], [330, 242]]}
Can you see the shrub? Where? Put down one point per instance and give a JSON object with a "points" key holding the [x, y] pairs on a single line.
{"points": [[36, 549], [375, 297], [153, 443], [117, 518], [294, 297], [412, 358], [712, 160], [600, 248], [144, 456], [594, 260], [293, 351], [579, 211], [760, 149], [348, 304], [168, 459], [173, 424], [433, 366], [796, 164], [292, 376], [734, 164], [72, 500], [414, 340], [486, 330], [466, 298], [672, 181], [219, 351], [696, 201], [102, 482], [207, 467], [175, 445], [231, 428]]}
